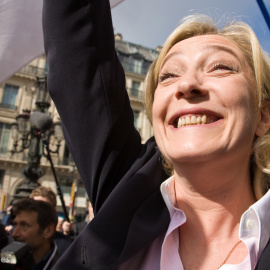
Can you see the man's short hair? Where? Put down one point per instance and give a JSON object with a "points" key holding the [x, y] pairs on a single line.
{"points": [[46, 214], [45, 192]]}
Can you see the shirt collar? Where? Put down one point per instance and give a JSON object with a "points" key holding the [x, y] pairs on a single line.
{"points": [[168, 194], [254, 224]]}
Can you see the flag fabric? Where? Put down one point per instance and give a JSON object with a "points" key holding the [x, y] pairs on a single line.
{"points": [[115, 2], [21, 39]]}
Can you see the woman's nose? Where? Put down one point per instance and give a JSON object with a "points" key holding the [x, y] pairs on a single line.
{"points": [[190, 85]]}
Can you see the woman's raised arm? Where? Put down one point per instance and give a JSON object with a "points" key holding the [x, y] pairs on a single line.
{"points": [[87, 83]]}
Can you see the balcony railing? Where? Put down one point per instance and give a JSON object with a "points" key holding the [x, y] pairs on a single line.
{"points": [[4, 152], [135, 68], [135, 93], [33, 71], [8, 106], [67, 160]]}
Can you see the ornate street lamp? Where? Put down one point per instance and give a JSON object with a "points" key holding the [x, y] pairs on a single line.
{"points": [[20, 131], [26, 134], [43, 99]]}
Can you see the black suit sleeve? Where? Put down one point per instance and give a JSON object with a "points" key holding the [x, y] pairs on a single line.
{"points": [[121, 176], [87, 83]]}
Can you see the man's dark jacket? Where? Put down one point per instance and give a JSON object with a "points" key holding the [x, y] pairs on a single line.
{"points": [[122, 176]]}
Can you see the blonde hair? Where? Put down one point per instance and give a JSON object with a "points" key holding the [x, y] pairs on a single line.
{"points": [[241, 34]]}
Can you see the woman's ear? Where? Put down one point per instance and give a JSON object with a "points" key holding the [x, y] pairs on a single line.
{"points": [[264, 122]]}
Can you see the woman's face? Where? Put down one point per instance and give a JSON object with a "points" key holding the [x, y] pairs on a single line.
{"points": [[205, 103]]}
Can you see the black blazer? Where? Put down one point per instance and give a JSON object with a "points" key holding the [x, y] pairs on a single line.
{"points": [[122, 177]]}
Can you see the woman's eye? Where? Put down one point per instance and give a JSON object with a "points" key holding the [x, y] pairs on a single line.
{"points": [[222, 67], [166, 76]]}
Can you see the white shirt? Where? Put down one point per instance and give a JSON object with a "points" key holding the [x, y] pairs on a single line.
{"points": [[163, 253]]}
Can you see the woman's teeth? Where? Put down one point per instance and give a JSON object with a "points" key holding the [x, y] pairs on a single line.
{"points": [[193, 120]]}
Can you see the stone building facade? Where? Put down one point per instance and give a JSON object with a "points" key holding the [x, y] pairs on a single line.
{"points": [[18, 94]]}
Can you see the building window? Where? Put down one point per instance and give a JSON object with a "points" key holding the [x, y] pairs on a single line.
{"points": [[4, 137], [137, 66], [135, 92], [136, 119], [126, 62], [9, 97], [67, 158], [46, 68]]}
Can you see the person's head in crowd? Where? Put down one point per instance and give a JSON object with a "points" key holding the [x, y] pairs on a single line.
{"points": [[254, 63], [7, 219], [44, 194], [35, 223]]}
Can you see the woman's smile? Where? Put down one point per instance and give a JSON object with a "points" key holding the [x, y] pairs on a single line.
{"points": [[194, 117]]}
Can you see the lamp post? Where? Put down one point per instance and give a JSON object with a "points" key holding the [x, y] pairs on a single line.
{"points": [[26, 134]]}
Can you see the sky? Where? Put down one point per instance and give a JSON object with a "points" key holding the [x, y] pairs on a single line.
{"points": [[149, 22]]}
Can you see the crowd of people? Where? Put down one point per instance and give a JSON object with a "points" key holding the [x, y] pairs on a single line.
{"points": [[34, 221]]}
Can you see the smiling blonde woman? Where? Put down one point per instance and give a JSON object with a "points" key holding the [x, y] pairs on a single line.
{"points": [[207, 96]]}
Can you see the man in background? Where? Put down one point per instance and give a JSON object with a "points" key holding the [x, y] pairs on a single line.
{"points": [[46, 194], [35, 223]]}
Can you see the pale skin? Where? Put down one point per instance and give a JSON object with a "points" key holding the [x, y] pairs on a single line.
{"points": [[209, 75]]}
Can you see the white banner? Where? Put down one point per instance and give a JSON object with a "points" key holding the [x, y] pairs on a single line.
{"points": [[21, 38], [115, 2]]}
